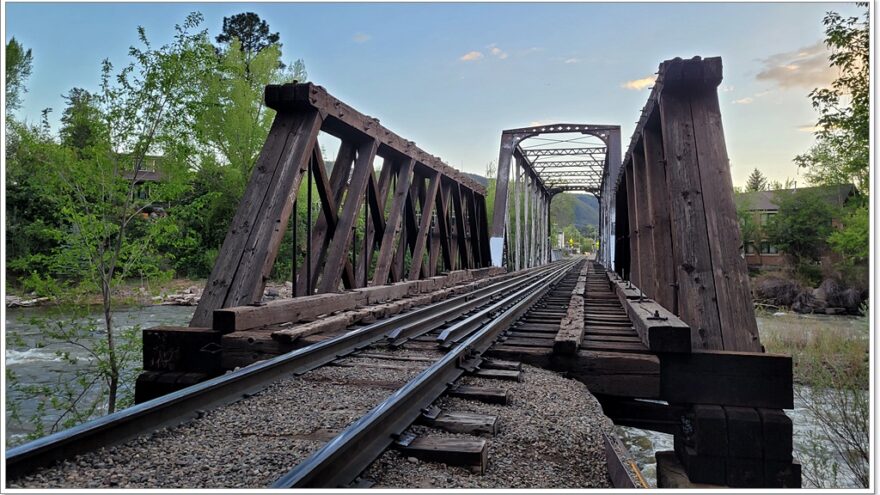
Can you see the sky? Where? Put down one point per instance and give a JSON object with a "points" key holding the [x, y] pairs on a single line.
{"points": [[452, 76]]}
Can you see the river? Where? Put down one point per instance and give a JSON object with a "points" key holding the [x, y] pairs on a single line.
{"points": [[35, 365]]}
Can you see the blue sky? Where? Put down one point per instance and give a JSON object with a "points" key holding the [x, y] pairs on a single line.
{"points": [[451, 76]]}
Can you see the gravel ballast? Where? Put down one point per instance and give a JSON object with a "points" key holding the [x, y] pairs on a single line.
{"points": [[247, 444], [549, 436]]}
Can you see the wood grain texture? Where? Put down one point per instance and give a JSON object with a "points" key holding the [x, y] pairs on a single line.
{"points": [[739, 328], [392, 226], [337, 252], [661, 235], [645, 230], [258, 226], [331, 194], [424, 224], [632, 213], [697, 298]]}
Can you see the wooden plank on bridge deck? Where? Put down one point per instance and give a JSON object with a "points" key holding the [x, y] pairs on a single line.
{"points": [[659, 329], [729, 378], [622, 374]]}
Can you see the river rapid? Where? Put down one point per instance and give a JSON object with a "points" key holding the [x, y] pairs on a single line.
{"points": [[36, 365]]}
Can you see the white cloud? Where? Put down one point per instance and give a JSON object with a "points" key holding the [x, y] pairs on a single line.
{"points": [[471, 56], [806, 67], [572, 60], [726, 89], [361, 37], [497, 52], [810, 128], [744, 101], [640, 84]]}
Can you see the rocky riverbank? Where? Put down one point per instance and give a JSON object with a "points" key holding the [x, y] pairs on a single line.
{"points": [[179, 292], [830, 297]]}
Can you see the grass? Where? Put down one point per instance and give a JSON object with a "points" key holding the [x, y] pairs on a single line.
{"points": [[830, 356], [819, 344]]}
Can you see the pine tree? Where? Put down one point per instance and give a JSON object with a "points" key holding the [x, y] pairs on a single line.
{"points": [[756, 182]]}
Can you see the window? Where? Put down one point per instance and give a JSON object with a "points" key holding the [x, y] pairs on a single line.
{"points": [[766, 216], [767, 248]]}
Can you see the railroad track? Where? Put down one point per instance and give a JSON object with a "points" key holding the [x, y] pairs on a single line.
{"points": [[329, 409]]}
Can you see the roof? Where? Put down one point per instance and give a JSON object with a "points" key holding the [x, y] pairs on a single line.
{"points": [[144, 176], [766, 200]]}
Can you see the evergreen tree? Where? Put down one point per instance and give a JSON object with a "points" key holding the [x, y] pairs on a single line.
{"points": [[756, 182], [253, 37], [82, 123], [18, 68]]}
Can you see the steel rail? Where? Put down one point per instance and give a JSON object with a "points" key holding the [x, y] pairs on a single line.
{"points": [[400, 335], [344, 457], [187, 404], [458, 331]]}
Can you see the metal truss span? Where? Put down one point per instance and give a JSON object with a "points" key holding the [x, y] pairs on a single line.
{"points": [[547, 165]]}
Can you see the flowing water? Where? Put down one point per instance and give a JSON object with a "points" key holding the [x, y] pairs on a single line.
{"points": [[41, 365], [36, 365]]}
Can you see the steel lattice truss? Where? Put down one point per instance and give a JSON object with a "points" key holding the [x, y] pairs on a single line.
{"points": [[564, 165], [594, 151], [536, 163]]}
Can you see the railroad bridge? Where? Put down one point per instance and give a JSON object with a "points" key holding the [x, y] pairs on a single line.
{"points": [[403, 270]]}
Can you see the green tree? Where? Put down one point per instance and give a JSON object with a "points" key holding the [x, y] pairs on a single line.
{"points": [[19, 63], [82, 124], [756, 182], [749, 227], [34, 229], [801, 226], [852, 240], [142, 106], [231, 124], [775, 185], [251, 32], [562, 210], [232, 121], [841, 152]]}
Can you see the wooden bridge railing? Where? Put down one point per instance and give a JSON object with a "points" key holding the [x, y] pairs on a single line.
{"points": [[676, 235], [420, 215]]}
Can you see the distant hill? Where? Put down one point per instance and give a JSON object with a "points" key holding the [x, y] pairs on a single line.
{"points": [[479, 178], [586, 206], [586, 210]]}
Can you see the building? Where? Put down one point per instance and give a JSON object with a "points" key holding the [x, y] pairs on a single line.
{"points": [[147, 177], [763, 206]]}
